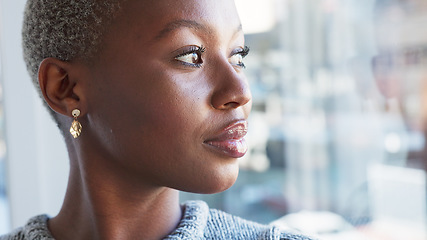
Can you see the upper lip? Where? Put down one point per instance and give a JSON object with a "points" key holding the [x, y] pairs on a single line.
{"points": [[234, 131]]}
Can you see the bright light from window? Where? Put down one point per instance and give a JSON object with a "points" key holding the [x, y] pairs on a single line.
{"points": [[256, 16]]}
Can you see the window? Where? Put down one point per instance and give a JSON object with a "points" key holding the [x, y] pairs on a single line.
{"points": [[337, 131], [4, 210]]}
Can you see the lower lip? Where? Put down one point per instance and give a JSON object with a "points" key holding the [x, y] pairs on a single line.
{"points": [[235, 148]]}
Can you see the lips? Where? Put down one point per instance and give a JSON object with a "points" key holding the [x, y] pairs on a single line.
{"points": [[230, 141]]}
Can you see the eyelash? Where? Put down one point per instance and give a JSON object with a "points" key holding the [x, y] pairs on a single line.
{"points": [[243, 52]]}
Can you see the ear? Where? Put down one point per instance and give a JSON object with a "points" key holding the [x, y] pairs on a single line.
{"points": [[57, 87]]}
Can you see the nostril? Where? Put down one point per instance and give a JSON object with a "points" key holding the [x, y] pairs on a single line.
{"points": [[231, 105], [231, 89], [231, 97]]}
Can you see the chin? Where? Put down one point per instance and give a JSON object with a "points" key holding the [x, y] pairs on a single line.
{"points": [[213, 182], [218, 187]]}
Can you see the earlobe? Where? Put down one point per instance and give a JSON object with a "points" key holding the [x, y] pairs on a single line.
{"points": [[57, 86]]}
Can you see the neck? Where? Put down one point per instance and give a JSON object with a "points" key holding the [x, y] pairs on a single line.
{"points": [[99, 204]]}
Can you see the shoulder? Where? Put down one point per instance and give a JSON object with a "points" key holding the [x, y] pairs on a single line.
{"points": [[199, 222], [222, 225], [35, 229]]}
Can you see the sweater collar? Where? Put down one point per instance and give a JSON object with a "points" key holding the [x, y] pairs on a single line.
{"points": [[191, 226], [193, 222]]}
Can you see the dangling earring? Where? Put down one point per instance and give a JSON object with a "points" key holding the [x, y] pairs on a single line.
{"points": [[76, 127]]}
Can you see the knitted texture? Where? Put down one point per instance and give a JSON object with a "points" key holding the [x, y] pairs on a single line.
{"points": [[35, 229], [199, 222]]}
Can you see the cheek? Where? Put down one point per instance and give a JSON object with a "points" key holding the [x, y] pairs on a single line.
{"points": [[151, 107], [153, 127]]}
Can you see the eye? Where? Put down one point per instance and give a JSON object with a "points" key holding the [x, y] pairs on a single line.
{"points": [[237, 59], [191, 57], [238, 55]]}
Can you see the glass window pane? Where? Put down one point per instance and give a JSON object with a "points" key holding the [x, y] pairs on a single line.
{"points": [[4, 209], [338, 125]]}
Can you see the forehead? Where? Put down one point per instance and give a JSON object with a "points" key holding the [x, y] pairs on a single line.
{"points": [[150, 17]]}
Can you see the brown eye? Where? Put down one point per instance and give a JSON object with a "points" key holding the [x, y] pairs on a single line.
{"points": [[238, 55], [236, 59], [192, 58]]}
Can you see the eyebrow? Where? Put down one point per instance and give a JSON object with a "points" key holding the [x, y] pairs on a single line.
{"points": [[188, 24], [180, 24]]}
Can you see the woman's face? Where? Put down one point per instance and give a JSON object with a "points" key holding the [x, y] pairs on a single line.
{"points": [[167, 98]]}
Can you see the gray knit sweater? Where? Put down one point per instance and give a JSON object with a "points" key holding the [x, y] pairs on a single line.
{"points": [[198, 222]]}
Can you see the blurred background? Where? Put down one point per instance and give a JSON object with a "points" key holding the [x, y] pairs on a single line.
{"points": [[337, 132]]}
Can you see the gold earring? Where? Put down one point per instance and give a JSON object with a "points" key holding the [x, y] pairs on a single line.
{"points": [[76, 127]]}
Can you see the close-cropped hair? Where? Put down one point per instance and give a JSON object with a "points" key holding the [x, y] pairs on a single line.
{"points": [[64, 29]]}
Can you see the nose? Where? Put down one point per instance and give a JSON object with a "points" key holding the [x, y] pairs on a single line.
{"points": [[231, 88]]}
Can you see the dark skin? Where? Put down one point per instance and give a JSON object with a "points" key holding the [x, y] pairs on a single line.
{"points": [[147, 110]]}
